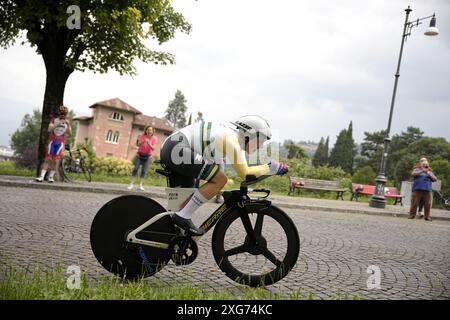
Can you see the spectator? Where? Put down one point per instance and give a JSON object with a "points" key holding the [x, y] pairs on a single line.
{"points": [[145, 142], [58, 127], [422, 190]]}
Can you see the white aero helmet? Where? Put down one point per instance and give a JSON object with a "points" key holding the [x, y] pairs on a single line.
{"points": [[253, 125]]}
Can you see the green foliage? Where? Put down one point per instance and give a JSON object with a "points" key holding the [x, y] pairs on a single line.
{"points": [[431, 148], [112, 166], [25, 140], [321, 157], [74, 124], [441, 168], [404, 139], [176, 110], [295, 151], [46, 284], [28, 132], [9, 168], [364, 175], [343, 151], [112, 33]]}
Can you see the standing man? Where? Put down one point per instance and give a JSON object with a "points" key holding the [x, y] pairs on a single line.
{"points": [[58, 127], [422, 188]]}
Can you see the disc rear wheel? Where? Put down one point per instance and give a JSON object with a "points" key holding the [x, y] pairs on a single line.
{"points": [[112, 224]]}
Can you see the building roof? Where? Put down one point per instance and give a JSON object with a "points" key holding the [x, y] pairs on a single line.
{"points": [[118, 104], [157, 123]]}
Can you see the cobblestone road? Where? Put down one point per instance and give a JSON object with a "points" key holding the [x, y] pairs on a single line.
{"points": [[37, 227]]}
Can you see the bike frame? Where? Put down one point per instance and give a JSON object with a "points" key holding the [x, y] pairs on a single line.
{"points": [[235, 199]]}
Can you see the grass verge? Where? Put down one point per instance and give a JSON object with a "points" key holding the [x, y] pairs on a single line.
{"points": [[18, 284]]}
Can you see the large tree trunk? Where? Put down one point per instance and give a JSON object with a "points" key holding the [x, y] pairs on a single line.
{"points": [[57, 75]]}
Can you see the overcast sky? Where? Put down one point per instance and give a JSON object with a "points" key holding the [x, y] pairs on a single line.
{"points": [[308, 66]]}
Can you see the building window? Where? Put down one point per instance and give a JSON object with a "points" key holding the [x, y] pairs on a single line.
{"points": [[112, 137], [109, 154], [116, 137], [109, 136], [116, 116]]}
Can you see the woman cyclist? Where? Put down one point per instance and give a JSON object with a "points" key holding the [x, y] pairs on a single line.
{"points": [[191, 153]]}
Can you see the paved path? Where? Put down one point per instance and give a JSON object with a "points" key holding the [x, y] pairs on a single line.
{"points": [[45, 227], [294, 202]]}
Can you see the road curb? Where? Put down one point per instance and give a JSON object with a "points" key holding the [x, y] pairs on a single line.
{"points": [[83, 188]]}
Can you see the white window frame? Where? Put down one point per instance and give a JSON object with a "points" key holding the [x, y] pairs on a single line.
{"points": [[116, 116], [112, 137]]}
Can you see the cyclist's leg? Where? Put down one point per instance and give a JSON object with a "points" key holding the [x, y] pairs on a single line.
{"points": [[47, 162], [56, 152], [179, 157]]}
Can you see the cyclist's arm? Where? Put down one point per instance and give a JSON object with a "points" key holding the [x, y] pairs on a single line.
{"points": [[51, 125], [236, 157]]}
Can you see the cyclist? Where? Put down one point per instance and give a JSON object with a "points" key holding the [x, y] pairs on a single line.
{"points": [[191, 153], [57, 128]]}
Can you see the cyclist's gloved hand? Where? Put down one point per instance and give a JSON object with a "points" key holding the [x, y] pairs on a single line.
{"points": [[278, 168]]}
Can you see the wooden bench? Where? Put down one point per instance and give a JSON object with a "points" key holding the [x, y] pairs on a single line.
{"points": [[368, 190], [296, 183]]}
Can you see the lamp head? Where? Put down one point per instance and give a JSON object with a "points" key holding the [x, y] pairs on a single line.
{"points": [[432, 30]]}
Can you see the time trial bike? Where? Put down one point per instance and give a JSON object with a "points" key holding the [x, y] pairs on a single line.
{"points": [[254, 242]]}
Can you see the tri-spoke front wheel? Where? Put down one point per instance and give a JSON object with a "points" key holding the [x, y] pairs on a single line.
{"points": [[256, 248]]}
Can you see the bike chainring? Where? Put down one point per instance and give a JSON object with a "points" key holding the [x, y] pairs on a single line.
{"points": [[184, 250]]}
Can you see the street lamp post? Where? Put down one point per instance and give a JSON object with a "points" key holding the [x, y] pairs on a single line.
{"points": [[378, 200]]}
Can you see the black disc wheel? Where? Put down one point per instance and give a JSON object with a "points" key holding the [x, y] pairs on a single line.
{"points": [[258, 248], [112, 224]]}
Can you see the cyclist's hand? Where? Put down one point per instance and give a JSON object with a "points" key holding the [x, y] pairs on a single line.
{"points": [[278, 168]]}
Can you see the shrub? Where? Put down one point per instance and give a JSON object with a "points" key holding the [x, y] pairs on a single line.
{"points": [[441, 169], [28, 159], [112, 166], [364, 175]]}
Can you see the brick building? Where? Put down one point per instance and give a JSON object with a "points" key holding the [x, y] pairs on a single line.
{"points": [[114, 127]]}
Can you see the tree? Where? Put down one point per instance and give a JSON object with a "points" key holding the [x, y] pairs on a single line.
{"points": [[351, 147], [295, 151], [320, 157], [435, 149], [371, 150], [343, 151], [71, 138], [28, 132], [176, 111], [405, 138], [25, 140], [441, 169], [98, 35]]}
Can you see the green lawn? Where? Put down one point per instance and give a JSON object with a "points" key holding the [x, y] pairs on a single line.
{"points": [[277, 185], [52, 285]]}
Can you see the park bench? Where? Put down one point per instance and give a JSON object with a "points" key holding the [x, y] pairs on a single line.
{"points": [[368, 190], [296, 183]]}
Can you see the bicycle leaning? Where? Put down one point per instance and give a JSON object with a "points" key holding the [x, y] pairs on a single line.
{"points": [[253, 243], [73, 165]]}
